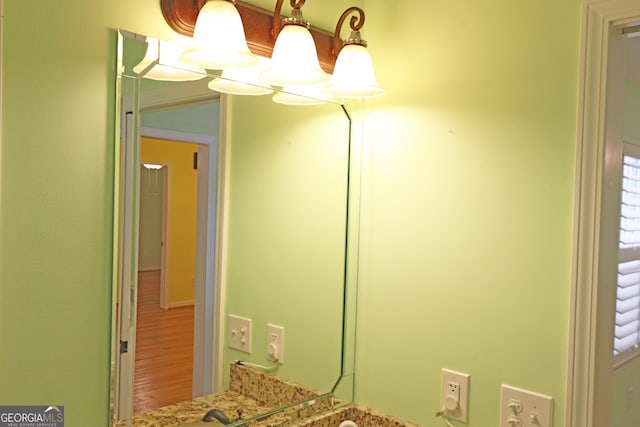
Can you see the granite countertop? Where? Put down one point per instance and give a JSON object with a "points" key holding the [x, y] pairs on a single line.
{"points": [[251, 391], [257, 393], [192, 411]]}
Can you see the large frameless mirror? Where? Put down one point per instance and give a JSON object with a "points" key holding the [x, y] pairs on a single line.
{"points": [[235, 216]]}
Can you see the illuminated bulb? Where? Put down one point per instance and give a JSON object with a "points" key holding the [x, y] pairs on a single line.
{"points": [[218, 38], [353, 75], [295, 58]]}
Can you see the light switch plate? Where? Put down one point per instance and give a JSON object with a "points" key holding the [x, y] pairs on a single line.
{"points": [[524, 408], [239, 336]]}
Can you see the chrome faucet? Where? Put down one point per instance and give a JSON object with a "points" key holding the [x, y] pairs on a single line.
{"points": [[217, 414]]}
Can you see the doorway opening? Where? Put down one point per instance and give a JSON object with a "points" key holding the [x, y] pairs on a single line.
{"points": [[167, 304], [166, 272]]}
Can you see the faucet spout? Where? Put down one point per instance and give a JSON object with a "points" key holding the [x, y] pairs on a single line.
{"points": [[216, 414]]}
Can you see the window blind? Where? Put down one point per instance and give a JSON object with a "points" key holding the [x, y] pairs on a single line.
{"points": [[627, 327]]}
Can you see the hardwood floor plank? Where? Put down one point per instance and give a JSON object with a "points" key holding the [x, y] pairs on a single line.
{"points": [[164, 349]]}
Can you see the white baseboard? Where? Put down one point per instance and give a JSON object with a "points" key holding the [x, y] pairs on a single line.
{"points": [[178, 304]]}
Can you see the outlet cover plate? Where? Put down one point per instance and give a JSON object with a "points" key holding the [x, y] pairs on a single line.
{"points": [[534, 410], [449, 376], [275, 336], [239, 329]]}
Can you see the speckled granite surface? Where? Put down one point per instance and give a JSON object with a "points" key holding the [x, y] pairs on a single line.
{"points": [[192, 411], [273, 391], [251, 391], [255, 393], [362, 416]]}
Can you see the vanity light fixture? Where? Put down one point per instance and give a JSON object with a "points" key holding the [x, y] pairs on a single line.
{"points": [[161, 62], [181, 16], [301, 55], [295, 58], [353, 75], [218, 39]]}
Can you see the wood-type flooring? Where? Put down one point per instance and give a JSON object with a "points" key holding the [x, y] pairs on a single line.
{"points": [[164, 349]]}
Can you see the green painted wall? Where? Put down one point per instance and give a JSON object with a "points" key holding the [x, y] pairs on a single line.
{"points": [[56, 197], [201, 119], [467, 203], [57, 192], [466, 239], [287, 232]]}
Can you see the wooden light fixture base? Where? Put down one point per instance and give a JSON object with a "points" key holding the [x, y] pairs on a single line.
{"points": [[181, 16]]}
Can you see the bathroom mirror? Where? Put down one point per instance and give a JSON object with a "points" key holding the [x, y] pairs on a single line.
{"points": [[271, 228]]}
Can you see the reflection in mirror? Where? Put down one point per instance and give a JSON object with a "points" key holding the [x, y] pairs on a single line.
{"points": [[250, 215]]}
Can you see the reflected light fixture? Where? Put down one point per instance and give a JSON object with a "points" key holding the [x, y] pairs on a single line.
{"points": [[161, 62], [218, 38], [152, 166], [242, 81], [295, 57], [353, 75], [302, 95]]}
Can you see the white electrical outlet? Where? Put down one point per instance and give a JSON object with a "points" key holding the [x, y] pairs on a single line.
{"points": [[524, 408], [275, 343], [454, 395], [239, 333]]}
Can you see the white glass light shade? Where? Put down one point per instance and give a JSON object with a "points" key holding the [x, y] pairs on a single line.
{"points": [[302, 95], [353, 75], [295, 59], [241, 81], [167, 66], [218, 38]]}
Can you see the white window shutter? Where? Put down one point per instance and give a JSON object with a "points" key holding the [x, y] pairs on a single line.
{"points": [[627, 328]]}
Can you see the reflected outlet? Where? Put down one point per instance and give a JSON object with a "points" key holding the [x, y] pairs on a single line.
{"points": [[275, 343]]}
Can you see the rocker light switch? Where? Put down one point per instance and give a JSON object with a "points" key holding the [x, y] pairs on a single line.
{"points": [[239, 336], [522, 408]]}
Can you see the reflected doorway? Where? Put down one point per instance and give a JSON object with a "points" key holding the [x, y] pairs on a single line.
{"points": [[162, 123], [166, 273]]}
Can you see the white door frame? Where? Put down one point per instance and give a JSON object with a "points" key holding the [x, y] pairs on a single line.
{"points": [[221, 248], [590, 353], [127, 281]]}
